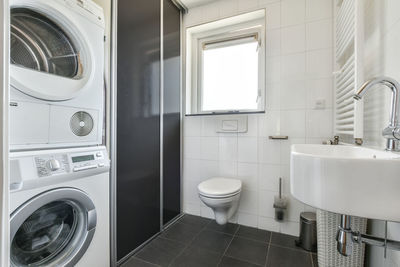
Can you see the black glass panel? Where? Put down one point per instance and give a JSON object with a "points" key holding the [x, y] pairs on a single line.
{"points": [[138, 123], [171, 116], [44, 234]]}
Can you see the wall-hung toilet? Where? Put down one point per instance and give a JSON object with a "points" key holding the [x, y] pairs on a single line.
{"points": [[222, 195]]}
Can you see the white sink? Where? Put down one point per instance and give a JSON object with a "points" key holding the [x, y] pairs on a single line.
{"points": [[348, 180]]}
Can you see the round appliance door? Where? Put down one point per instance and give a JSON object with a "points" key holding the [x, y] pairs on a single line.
{"points": [[49, 57], [54, 228]]}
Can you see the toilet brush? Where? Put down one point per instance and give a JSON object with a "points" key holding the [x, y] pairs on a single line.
{"points": [[280, 204]]}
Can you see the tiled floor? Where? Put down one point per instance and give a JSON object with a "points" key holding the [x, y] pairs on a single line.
{"points": [[199, 242]]}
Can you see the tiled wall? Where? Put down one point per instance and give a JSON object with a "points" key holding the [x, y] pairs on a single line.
{"points": [[299, 72], [382, 57]]}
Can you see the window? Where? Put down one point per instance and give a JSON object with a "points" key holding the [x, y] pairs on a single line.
{"points": [[229, 79], [226, 68]]}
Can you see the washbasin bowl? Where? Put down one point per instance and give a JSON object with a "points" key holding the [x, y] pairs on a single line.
{"points": [[348, 180]]}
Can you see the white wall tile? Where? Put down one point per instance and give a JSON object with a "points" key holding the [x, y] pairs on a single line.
{"points": [[319, 64], [268, 224], [209, 169], [208, 126], [294, 209], [191, 126], [269, 124], [273, 42], [273, 15], [273, 96], [248, 201], [193, 209], [228, 169], [293, 67], [293, 12], [265, 203], [319, 123], [290, 228], [247, 149], [263, 3], [319, 9], [210, 12], [247, 5], [293, 39], [269, 177], [209, 148], [190, 194], [269, 151], [227, 8], [273, 67], [207, 212], [248, 174], [293, 123], [317, 90], [228, 146], [250, 220], [192, 169], [293, 95], [252, 126], [319, 34], [192, 147]]}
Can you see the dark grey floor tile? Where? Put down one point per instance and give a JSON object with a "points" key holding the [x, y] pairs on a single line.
{"points": [[284, 240], [197, 257], [248, 250], [286, 257], [253, 233], [231, 262], [194, 220], [315, 259], [181, 232], [161, 251], [229, 228], [214, 241], [135, 262]]}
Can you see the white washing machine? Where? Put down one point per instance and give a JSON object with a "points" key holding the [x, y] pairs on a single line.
{"points": [[56, 74], [60, 208]]}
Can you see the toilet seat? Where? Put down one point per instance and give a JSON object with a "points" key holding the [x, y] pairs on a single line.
{"points": [[220, 187]]}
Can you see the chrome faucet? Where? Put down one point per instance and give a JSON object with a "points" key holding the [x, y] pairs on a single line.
{"points": [[391, 132]]}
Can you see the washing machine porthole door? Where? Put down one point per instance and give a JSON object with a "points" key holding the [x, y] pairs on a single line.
{"points": [[53, 228]]}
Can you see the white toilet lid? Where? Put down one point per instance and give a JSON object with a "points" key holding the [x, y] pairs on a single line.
{"points": [[218, 187]]}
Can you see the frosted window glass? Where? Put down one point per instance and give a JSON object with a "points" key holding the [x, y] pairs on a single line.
{"points": [[230, 78]]}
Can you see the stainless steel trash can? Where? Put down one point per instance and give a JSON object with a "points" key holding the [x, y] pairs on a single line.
{"points": [[308, 231]]}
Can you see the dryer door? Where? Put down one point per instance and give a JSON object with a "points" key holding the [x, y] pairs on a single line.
{"points": [[54, 228], [49, 57]]}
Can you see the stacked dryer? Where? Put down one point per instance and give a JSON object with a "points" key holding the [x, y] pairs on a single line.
{"points": [[57, 61], [59, 170]]}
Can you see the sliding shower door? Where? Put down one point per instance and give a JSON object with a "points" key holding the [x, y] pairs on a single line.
{"points": [[138, 124], [146, 139], [171, 112]]}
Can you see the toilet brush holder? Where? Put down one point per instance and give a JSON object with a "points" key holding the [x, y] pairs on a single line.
{"points": [[280, 204]]}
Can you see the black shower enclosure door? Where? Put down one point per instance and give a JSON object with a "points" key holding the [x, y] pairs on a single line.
{"points": [[148, 116]]}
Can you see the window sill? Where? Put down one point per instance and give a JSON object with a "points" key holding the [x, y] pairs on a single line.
{"points": [[225, 113]]}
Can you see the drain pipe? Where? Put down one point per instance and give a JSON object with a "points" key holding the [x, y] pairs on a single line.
{"points": [[346, 237]]}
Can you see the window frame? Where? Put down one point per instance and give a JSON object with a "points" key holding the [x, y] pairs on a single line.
{"points": [[222, 35]]}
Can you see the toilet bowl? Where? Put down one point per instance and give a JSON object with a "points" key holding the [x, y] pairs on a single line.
{"points": [[222, 195]]}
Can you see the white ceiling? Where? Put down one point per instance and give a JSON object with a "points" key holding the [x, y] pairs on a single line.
{"points": [[194, 3]]}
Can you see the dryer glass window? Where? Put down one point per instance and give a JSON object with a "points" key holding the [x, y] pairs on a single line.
{"points": [[40, 44], [45, 234]]}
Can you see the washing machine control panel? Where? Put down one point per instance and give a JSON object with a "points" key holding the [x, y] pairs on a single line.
{"points": [[49, 165], [52, 164], [87, 160]]}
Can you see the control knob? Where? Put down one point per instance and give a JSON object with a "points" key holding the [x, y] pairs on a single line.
{"points": [[53, 164]]}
